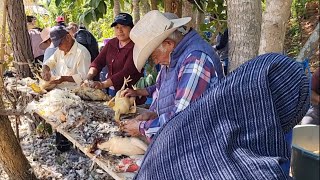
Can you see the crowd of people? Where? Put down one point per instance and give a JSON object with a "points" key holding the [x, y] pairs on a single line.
{"points": [[202, 123]]}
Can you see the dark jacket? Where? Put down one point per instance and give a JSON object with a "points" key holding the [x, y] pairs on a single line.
{"points": [[85, 38]]}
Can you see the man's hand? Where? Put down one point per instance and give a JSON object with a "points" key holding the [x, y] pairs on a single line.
{"points": [[131, 127], [146, 116], [46, 74], [58, 80]]}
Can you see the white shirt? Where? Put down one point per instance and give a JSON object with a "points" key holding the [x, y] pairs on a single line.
{"points": [[75, 63]]}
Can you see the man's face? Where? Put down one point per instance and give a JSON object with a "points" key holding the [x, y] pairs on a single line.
{"points": [[66, 43], [161, 55], [72, 31], [122, 32]]}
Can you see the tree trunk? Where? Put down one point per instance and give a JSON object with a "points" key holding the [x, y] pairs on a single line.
{"points": [[244, 23], [177, 5], [173, 6], [145, 7], [154, 5], [199, 19], [3, 39], [187, 11], [116, 7], [168, 5], [12, 158], [136, 11], [21, 44], [273, 30]]}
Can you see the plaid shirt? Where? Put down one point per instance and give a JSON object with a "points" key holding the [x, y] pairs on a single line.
{"points": [[194, 79]]}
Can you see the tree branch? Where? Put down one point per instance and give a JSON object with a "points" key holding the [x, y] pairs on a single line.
{"points": [[6, 112], [310, 45]]}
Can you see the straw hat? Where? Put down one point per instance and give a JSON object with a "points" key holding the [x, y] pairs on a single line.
{"points": [[150, 32], [45, 35]]}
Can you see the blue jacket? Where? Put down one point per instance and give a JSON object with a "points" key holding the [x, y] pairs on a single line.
{"points": [[169, 82]]}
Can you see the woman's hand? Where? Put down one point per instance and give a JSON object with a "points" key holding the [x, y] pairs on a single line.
{"points": [[93, 84], [129, 93]]}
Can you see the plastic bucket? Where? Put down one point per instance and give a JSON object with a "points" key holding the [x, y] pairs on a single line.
{"points": [[304, 162]]}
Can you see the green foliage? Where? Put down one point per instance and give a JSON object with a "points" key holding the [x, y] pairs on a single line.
{"points": [[150, 77], [44, 129], [294, 34], [216, 17]]}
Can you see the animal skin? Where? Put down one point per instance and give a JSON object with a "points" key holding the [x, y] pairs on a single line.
{"points": [[124, 146], [121, 104], [43, 86], [93, 94]]}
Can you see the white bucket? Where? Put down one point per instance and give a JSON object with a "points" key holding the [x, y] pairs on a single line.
{"points": [[304, 160]]}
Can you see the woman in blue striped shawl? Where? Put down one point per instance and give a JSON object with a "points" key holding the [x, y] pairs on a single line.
{"points": [[236, 130]]}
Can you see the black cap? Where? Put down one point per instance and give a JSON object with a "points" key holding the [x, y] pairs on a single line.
{"points": [[123, 19], [57, 33]]}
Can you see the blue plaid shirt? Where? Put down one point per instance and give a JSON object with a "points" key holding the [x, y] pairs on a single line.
{"points": [[194, 79]]}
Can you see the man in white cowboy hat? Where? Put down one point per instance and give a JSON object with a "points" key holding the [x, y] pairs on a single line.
{"points": [[191, 67]]}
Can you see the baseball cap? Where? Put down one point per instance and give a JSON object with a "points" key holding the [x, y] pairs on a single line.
{"points": [[57, 33], [60, 19], [123, 19]]}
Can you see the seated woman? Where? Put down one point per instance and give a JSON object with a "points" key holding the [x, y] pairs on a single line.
{"points": [[117, 55]]}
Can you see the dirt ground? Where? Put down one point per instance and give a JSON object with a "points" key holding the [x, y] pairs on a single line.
{"points": [[307, 24], [49, 163]]}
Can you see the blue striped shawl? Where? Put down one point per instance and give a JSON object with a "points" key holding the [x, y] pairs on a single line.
{"points": [[236, 130]]}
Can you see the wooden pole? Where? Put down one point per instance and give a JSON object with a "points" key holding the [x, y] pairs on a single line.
{"points": [[3, 39]]}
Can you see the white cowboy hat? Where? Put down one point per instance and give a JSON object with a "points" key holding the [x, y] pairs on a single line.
{"points": [[150, 32]]}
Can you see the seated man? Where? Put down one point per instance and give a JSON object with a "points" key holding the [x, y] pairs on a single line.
{"points": [[191, 67], [236, 130], [70, 61]]}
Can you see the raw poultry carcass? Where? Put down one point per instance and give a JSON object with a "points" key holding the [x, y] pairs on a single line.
{"points": [[122, 104], [43, 85], [123, 146], [87, 93]]}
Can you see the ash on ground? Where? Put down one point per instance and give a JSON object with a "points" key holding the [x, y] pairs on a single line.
{"points": [[50, 163]]}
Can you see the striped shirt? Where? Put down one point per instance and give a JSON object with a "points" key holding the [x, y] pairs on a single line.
{"points": [[236, 129], [194, 78]]}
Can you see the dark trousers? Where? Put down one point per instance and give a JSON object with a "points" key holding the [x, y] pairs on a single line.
{"points": [[62, 143]]}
